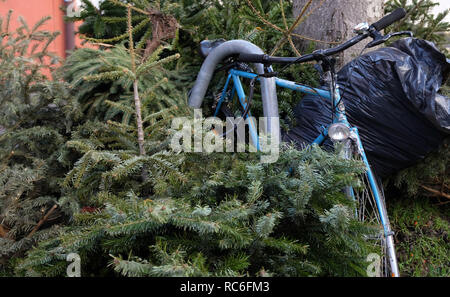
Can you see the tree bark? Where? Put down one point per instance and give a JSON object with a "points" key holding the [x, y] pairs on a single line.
{"points": [[140, 126], [334, 20]]}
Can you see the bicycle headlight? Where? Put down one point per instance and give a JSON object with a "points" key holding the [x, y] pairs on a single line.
{"points": [[338, 132]]}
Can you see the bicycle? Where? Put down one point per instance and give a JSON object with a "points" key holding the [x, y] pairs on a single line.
{"points": [[370, 200]]}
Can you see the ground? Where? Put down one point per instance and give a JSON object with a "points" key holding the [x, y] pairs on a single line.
{"points": [[422, 236]]}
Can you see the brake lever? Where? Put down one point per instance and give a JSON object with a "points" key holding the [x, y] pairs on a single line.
{"points": [[385, 38]]}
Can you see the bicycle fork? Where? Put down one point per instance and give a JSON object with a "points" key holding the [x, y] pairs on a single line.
{"points": [[381, 206]]}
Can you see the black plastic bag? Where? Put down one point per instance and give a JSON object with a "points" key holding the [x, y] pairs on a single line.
{"points": [[390, 94]]}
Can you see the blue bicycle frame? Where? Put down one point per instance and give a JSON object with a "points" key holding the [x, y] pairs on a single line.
{"points": [[339, 117], [250, 53]]}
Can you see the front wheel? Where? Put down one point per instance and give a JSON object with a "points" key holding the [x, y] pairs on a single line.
{"points": [[371, 209]]}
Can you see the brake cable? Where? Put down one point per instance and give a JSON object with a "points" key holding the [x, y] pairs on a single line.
{"points": [[250, 98]]}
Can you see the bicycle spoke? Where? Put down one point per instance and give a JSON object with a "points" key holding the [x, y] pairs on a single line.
{"points": [[367, 211]]}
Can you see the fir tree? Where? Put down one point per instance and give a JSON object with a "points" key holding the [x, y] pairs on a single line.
{"points": [[232, 216], [35, 120], [201, 215], [191, 214], [131, 140], [199, 20], [420, 20]]}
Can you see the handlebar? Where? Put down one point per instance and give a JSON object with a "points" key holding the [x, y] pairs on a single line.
{"points": [[391, 18]]}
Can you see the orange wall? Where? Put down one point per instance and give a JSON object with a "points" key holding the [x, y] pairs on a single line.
{"points": [[34, 10]]}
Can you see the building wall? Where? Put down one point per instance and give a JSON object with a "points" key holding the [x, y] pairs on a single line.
{"points": [[33, 11]]}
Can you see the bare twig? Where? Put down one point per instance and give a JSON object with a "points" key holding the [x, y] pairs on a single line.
{"points": [[258, 14], [315, 40], [102, 44], [132, 7], [299, 17], [137, 101], [3, 231], [42, 221], [283, 15], [436, 192], [397, 26], [288, 31], [443, 203]]}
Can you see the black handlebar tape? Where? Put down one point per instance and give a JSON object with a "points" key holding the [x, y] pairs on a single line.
{"points": [[252, 58], [391, 18]]}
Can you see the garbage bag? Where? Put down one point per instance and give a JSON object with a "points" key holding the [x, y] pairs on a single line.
{"points": [[390, 94]]}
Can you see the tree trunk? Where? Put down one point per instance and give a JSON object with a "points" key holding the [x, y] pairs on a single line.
{"points": [[140, 127], [139, 124], [334, 20]]}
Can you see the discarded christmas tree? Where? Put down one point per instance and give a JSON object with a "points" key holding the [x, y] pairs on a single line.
{"points": [[35, 120]]}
